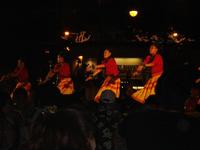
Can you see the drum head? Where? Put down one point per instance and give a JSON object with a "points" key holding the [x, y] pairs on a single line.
{"points": [[107, 96]]}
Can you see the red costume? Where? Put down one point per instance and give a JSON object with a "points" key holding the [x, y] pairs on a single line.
{"points": [[111, 67], [157, 68], [21, 74], [112, 81], [149, 87], [63, 71], [65, 83]]}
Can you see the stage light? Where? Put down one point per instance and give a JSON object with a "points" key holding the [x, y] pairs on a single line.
{"points": [[133, 13], [81, 58], [137, 87], [66, 33], [67, 48], [175, 34]]}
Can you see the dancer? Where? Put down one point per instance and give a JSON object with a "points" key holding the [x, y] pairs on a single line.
{"points": [[155, 61], [21, 75], [112, 80], [62, 70]]}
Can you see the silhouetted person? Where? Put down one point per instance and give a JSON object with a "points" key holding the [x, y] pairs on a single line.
{"points": [[67, 129]]}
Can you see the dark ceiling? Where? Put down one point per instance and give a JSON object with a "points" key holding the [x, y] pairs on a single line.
{"points": [[46, 20], [34, 22]]}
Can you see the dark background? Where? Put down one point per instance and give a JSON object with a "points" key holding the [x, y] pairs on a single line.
{"points": [[28, 28], [45, 21]]}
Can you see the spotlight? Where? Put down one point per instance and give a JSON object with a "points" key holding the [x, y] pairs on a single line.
{"points": [[133, 13]]}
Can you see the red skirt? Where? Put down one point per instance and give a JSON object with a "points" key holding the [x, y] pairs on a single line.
{"points": [[66, 86], [149, 89]]}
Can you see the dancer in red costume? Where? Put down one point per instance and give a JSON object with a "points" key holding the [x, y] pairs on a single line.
{"points": [[112, 80], [62, 70], [155, 61]]}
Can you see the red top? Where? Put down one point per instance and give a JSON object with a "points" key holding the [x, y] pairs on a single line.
{"points": [[62, 70], [158, 63], [111, 67], [21, 74]]}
